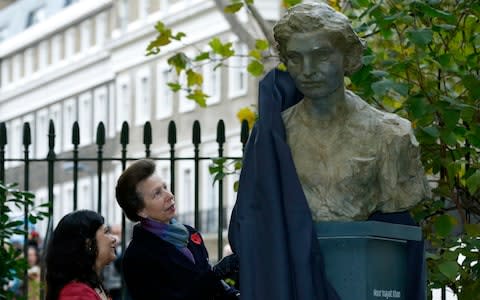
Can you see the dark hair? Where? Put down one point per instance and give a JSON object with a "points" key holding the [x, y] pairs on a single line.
{"points": [[126, 191], [309, 17], [72, 251]]}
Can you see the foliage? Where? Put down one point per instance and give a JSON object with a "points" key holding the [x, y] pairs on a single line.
{"points": [[12, 263], [423, 64]]}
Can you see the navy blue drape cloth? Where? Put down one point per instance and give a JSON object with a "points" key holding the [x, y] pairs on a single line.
{"points": [[271, 228]]}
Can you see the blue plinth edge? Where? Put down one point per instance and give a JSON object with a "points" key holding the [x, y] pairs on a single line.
{"points": [[368, 229]]}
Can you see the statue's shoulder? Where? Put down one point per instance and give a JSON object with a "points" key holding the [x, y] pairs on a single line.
{"points": [[384, 123]]}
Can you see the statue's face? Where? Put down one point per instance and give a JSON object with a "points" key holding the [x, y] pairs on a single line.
{"points": [[315, 64]]}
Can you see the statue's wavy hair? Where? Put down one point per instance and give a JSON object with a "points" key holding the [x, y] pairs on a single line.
{"points": [[72, 251], [309, 17]]}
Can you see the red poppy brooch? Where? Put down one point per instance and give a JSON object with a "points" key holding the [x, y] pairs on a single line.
{"points": [[196, 238]]}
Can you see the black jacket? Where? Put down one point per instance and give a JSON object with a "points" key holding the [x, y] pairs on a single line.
{"points": [[155, 269]]}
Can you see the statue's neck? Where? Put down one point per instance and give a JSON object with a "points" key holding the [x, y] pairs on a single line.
{"points": [[328, 107]]}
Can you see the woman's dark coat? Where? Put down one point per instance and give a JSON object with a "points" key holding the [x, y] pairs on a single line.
{"points": [[155, 269]]}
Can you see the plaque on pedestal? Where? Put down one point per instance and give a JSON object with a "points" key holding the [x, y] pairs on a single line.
{"points": [[366, 260]]}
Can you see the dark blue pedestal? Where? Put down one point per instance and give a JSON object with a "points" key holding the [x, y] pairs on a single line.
{"points": [[366, 260]]}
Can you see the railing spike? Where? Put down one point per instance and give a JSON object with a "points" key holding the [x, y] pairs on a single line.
{"points": [[196, 136], [27, 136], [75, 134], [100, 134], [3, 134], [51, 135], [147, 133], [172, 133], [244, 132], [221, 132], [124, 139]]}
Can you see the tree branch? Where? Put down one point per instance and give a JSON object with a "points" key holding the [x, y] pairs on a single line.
{"points": [[236, 26]]}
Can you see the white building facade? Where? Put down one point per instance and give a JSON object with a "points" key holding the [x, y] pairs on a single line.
{"points": [[85, 61]]}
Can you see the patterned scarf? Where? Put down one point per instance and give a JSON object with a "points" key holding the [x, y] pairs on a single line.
{"points": [[174, 233]]}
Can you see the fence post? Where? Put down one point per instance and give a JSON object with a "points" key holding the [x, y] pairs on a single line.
{"points": [[27, 141], [172, 140], [196, 140], [75, 142], [147, 138], [100, 142], [244, 132], [220, 141], [124, 140], [3, 143]]}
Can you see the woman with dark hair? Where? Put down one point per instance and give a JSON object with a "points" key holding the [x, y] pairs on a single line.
{"points": [[80, 247]]}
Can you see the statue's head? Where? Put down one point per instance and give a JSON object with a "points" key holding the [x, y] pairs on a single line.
{"points": [[319, 17]]}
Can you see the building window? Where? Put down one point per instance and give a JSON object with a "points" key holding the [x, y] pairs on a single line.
{"points": [[185, 104], [187, 206], [144, 8], [36, 16], [70, 42], [56, 48], [42, 55], [16, 67], [69, 117], [5, 72], [100, 108], [42, 133], [164, 93], [237, 83], [16, 147], [211, 83], [85, 118], [123, 103], [143, 91], [123, 14], [3, 33], [100, 29], [68, 2], [85, 35], [28, 62]]}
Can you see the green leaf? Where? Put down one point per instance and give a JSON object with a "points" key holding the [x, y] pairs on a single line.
{"points": [[233, 8], [235, 186], [472, 230], [255, 68], [163, 38], [449, 269], [179, 61], [282, 67], [194, 78], [473, 182], [179, 36], [225, 50], [436, 13], [174, 86], [198, 96], [383, 86], [444, 225], [420, 37], [202, 56], [255, 54], [431, 131], [448, 137], [472, 84], [290, 3], [451, 117], [261, 45]]}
